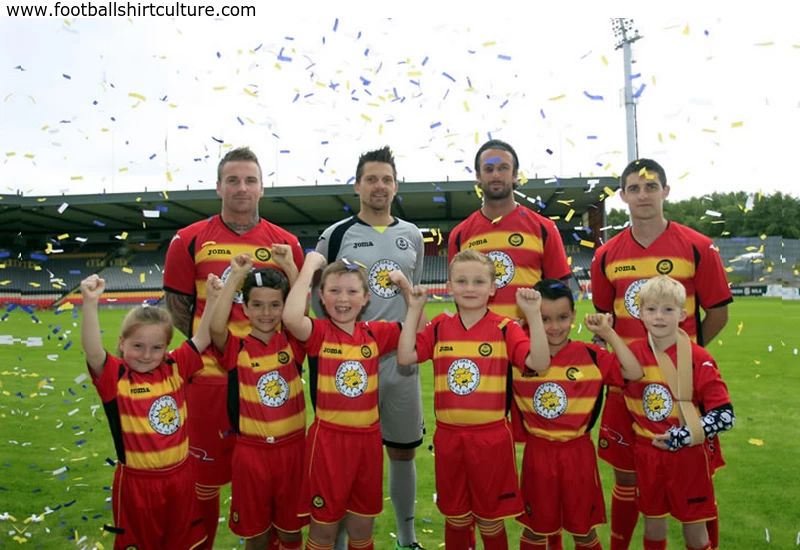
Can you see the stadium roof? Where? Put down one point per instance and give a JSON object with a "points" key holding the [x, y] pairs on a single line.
{"points": [[420, 202]]}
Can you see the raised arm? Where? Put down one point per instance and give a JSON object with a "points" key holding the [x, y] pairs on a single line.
{"points": [[180, 307], [218, 325], [202, 336], [530, 302], [294, 312], [600, 325], [407, 345], [283, 256], [91, 340], [399, 279]]}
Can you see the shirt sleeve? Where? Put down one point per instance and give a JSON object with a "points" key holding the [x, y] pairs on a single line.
{"points": [[709, 389], [187, 357], [314, 342], [106, 383], [609, 366], [452, 250], [419, 245], [322, 248], [554, 261], [298, 350], [179, 267], [387, 335], [602, 289], [518, 344], [425, 342], [298, 255], [710, 279], [229, 358]]}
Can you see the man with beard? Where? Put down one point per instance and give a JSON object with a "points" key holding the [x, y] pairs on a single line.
{"points": [[526, 247], [383, 243]]}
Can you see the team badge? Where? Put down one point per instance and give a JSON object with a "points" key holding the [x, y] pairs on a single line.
{"points": [[401, 243], [503, 267], [632, 298], [528, 510], [283, 357], [657, 402], [318, 502], [463, 377], [379, 282], [485, 350], [550, 400], [574, 373], [235, 516], [664, 267], [602, 443], [164, 416], [263, 254], [132, 547], [366, 352], [237, 298], [273, 390], [351, 379], [515, 239]]}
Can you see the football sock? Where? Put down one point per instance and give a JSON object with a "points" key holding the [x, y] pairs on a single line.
{"points": [[554, 542], [655, 544], [208, 498], [624, 515], [311, 545], [296, 545], [706, 547], [526, 543], [457, 533], [367, 544], [594, 544], [494, 536], [403, 492], [712, 526]]}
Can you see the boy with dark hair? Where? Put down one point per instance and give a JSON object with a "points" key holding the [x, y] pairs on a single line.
{"points": [[560, 482]]}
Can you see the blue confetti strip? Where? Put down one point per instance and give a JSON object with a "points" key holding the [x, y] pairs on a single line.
{"points": [[162, 208], [639, 91], [364, 81], [285, 151], [593, 97], [435, 125], [424, 60], [67, 76], [240, 120], [351, 180], [493, 160], [152, 156], [182, 127], [634, 76], [549, 151], [591, 137], [504, 104], [504, 57], [98, 223], [220, 141], [366, 52], [439, 199], [42, 257], [5, 254], [448, 76], [336, 24]]}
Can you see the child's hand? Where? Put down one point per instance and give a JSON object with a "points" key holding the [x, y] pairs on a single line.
{"points": [[282, 254], [213, 287], [600, 324], [530, 301], [399, 279], [673, 439], [316, 260], [417, 296], [241, 264], [92, 287]]}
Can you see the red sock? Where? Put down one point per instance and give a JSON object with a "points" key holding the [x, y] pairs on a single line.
{"points": [[706, 547], [368, 544], [296, 545], [554, 542], [208, 497], [712, 526], [311, 545], [655, 544], [273, 543], [473, 539], [494, 537], [457, 534], [594, 544], [624, 515], [529, 544]]}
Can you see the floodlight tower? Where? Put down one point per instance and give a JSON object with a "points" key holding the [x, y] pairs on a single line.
{"points": [[626, 34]]}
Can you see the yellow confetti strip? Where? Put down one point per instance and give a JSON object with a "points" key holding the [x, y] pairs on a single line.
{"points": [[435, 297], [497, 219], [556, 98], [66, 306], [673, 136], [466, 105], [141, 277], [127, 270], [34, 285], [487, 44], [123, 235], [764, 44], [366, 117], [686, 30], [604, 60], [610, 192], [10, 154], [169, 175], [76, 178], [140, 97], [219, 88], [166, 196], [756, 442], [249, 92], [739, 328], [587, 244], [123, 169], [569, 215], [683, 175], [380, 129], [478, 191], [737, 124]]}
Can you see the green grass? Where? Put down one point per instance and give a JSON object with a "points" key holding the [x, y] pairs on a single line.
{"points": [[757, 490]]}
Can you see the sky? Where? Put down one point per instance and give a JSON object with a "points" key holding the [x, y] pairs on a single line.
{"points": [[92, 105]]}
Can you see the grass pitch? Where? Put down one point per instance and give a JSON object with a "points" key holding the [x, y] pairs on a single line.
{"points": [[55, 474]]}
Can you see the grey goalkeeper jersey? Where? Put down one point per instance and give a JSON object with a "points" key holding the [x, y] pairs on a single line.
{"points": [[400, 246]]}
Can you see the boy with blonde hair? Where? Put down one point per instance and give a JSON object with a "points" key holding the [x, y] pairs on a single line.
{"points": [[679, 404]]}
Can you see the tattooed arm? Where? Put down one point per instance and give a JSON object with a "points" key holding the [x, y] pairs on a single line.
{"points": [[181, 306]]}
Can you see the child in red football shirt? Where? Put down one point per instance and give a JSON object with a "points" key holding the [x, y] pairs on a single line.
{"points": [[473, 354], [144, 396], [679, 404], [344, 448]]}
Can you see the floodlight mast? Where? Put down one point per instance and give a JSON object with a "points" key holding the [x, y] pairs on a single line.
{"points": [[626, 34]]}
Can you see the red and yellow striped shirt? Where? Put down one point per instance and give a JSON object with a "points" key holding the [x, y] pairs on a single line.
{"points": [[563, 402], [525, 247], [343, 370], [208, 247], [265, 391], [471, 367], [652, 404], [147, 411]]}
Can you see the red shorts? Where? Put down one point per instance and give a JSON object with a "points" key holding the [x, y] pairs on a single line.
{"points": [[674, 483], [476, 471], [211, 437], [156, 508], [716, 461], [344, 472], [615, 444], [264, 486], [561, 487]]}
